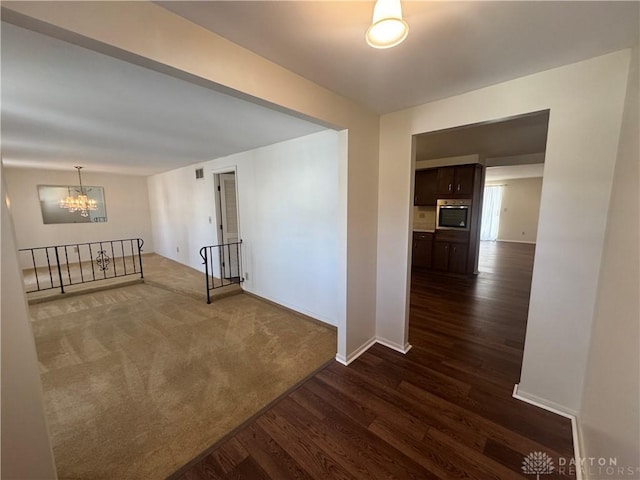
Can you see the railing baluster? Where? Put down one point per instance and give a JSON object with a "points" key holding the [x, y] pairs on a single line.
{"points": [[46, 250], [103, 266], [211, 260], [93, 268], [221, 266], [238, 262], [66, 256], [113, 258], [59, 270], [230, 263], [124, 260], [80, 263], [35, 268], [133, 256]]}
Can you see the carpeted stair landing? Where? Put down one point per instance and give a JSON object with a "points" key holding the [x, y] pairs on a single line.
{"points": [[139, 380]]}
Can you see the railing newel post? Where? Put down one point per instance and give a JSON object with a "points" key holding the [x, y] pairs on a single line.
{"points": [[204, 256], [140, 244], [238, 262]]}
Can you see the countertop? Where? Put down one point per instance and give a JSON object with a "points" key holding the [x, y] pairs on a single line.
{"points": [[421, 230]]}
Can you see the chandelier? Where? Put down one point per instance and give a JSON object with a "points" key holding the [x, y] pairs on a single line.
{"points": [[80, 203]]}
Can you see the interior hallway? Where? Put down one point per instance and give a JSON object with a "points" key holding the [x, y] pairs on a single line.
{"points": [[444, 410]]}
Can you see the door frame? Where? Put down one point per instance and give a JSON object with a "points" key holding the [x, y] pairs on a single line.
{"points": [[218, 205], [219, 213]]}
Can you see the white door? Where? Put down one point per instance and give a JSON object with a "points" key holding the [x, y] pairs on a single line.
{"points": [[229, 225]]}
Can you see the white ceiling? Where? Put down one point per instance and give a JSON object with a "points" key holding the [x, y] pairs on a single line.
{"points": [[499, 174], [452, 47], [63, 105]]}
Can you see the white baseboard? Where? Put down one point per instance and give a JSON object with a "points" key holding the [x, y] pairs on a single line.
{"points": [[303, 311], [543, 403], [394, 346], [367, 345], [558, 410], [355, 354], [515, 241], [341, 359]]}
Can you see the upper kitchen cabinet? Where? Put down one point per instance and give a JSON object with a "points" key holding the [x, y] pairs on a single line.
{"points": [[426, 188], [456, 181]]}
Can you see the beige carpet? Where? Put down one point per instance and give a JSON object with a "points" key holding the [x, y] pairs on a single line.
{"points": [[138, 380], [174, 276]]}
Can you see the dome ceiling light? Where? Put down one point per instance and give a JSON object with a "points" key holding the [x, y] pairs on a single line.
{"points": [[387, 29]]}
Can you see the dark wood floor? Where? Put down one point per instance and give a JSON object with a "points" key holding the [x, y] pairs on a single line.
{"points": [[444, 410]]}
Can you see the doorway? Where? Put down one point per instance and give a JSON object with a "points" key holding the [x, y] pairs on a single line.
{"points": [[510, 210], [228, 225], [477, 318], [490, 218]]}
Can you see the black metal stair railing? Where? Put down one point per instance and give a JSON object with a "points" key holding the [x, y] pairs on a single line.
{"points": [[59, 266], [222, 265]]}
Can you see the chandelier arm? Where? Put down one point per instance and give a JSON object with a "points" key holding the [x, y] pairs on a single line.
{"points": [[80, 203], [80, 180]]}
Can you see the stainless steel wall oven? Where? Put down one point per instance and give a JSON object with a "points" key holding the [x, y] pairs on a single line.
{"points": [[453, 214]]}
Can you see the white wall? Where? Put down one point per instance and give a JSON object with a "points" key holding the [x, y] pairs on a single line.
{"points": [[126, 198], [610, 416], [288, 213], [586, 102], [26, 450], [520, 209]]}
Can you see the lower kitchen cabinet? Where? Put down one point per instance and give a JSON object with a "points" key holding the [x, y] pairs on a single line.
{"points": [[422, 246], [450, 257], [441, 256], [458, 258]]}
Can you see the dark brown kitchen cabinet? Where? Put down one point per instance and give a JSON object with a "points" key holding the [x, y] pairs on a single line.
{"points": [[458, 258], [441, 256], [422, 246], [450, 257], [456, 181], [426, 187], [450, 249]]}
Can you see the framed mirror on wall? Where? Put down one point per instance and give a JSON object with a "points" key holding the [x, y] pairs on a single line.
{"points": [[58, 204]]}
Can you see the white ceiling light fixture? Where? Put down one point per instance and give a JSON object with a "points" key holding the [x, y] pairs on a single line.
{"points": [[387, 29], [80, 203]]}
